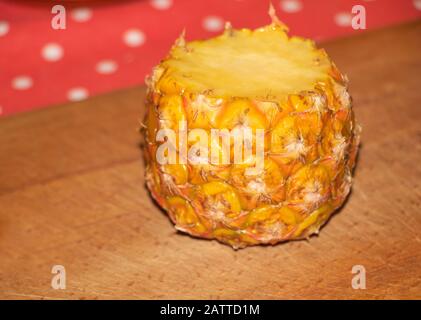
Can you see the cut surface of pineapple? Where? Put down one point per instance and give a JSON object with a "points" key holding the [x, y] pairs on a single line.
{"points": [[262, 63]]}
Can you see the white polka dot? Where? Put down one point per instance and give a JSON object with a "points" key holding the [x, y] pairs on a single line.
{"points": [[81, 14], [106, 67], [134, 37], [291, 6], [213, 23], [77, 94], [52, 52], [417, 4], [161, 4], [4, 28], [343, 19], [22, 83]]}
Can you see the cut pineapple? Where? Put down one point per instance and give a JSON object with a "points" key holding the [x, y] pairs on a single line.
{"points": [[263, 80]]}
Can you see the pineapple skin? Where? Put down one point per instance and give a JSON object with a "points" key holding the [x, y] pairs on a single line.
{"points": [[311, 144]]}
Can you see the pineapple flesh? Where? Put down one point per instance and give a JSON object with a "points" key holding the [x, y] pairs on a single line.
{"points": [[259, 79]]}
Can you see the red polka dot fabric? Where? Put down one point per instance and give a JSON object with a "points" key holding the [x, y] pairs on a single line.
{"points": [[111, 45]]}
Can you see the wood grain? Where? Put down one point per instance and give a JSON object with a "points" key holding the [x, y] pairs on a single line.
{"points": [[72, 193]]}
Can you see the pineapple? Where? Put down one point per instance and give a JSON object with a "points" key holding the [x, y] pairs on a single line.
{"points": [[264, 80]]}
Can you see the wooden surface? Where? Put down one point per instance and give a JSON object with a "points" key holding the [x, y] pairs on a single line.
{"points": [[72, 193]]}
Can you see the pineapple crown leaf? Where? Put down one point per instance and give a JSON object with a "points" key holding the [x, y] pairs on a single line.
{"points": [[181, 40], [228, 28], [275, 19]]}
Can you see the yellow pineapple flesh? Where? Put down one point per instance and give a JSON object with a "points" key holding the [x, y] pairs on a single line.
{"points": [[260, 79]]}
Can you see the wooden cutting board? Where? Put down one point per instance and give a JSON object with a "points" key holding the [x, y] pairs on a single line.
{"points": [[72, 194]]}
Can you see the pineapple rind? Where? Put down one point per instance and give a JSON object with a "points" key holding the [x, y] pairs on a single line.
{"points": [[310, 149]]}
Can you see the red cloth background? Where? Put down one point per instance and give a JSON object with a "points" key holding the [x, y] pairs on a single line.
{"points": [[112, 45]]}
